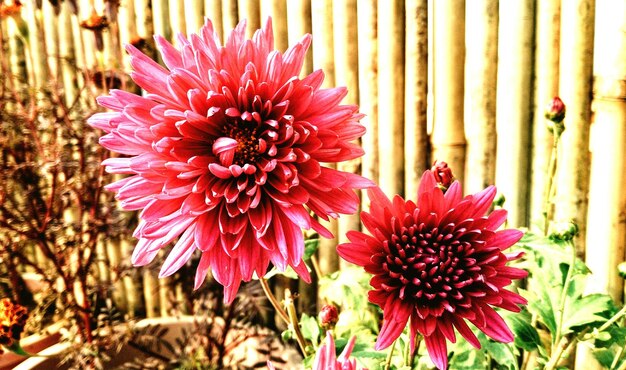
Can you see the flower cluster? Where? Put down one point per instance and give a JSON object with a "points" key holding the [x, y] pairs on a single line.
{"points": [[12, 321], [437, 263], [226, 155]]}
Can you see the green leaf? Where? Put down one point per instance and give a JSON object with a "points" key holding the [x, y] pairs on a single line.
{"points": [[586, 310], [310, 247], [310, 329], [526, 336], [605, 357]]}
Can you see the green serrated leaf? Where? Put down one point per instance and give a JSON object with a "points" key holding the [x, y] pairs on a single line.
{"points": [[310, 329], [605, 357], [586, 310]]}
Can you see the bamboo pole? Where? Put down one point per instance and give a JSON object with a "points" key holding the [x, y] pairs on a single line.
{"points": [[230, 17], [299, 24], [39, 64], [194, 15], [128, 29], [448, 138], [575, 86], [547, 41], [606, 229], [150, 293], [67, 54], [177, 19], [160, 18], [277, 9], [480, 96], [514, 102], [213, 10], [345, 42], [391, 96], [368, 86], [91, 61], [50, 24], [323, 58], [251, 11], [416, 147]]}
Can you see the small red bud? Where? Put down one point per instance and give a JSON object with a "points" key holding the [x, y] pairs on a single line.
{"points": [[555, 111], [443, 174], [329, 315]]}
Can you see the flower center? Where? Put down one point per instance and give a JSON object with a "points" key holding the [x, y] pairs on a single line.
{"points": [[246, 135], [428, 266]]}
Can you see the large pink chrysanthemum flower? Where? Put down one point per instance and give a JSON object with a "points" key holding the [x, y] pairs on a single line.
{"points": [[437, 263], [225, 152]]}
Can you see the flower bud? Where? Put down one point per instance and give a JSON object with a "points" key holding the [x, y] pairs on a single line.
{"points": [[564, 231], [555, 111], [328, 316], [443, 174]]}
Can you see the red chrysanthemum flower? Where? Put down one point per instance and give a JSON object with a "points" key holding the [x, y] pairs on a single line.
{"points": [[438, 263], [225, 153]]}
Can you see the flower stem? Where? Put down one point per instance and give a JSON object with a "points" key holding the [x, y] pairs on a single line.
{"points": [[549, 184], [613, 319], [561, 310], [277, 306], [293, 321], [390, 355]]}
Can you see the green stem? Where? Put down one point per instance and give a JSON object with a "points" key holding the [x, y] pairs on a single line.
{"points": [[293, 321], [390, 355], [613, 319], [618, 357], [277, 306], [563, 298], [549, 184]]}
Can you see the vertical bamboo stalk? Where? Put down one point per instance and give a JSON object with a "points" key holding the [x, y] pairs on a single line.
{"points": [[606, 226], [251, 11], [84, 12], [277, 9], [547, 42], [128, 29], [480, 96], [50, 24], [606, 229], [119, 293], [150, 293], [323, 58], [345, 42], [368, 86], [391, 96], [143, 18], [230, 16], [67, 55], [514, 102], [177, 18], [416, 150], [165, 287], [160, 18], [448, 138], [17, 49], [213, 10], [575, 86], [36, 44], [298, 24], [194, 15]]}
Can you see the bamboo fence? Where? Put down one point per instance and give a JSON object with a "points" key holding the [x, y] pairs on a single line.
{"points": [[462, 82]]}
